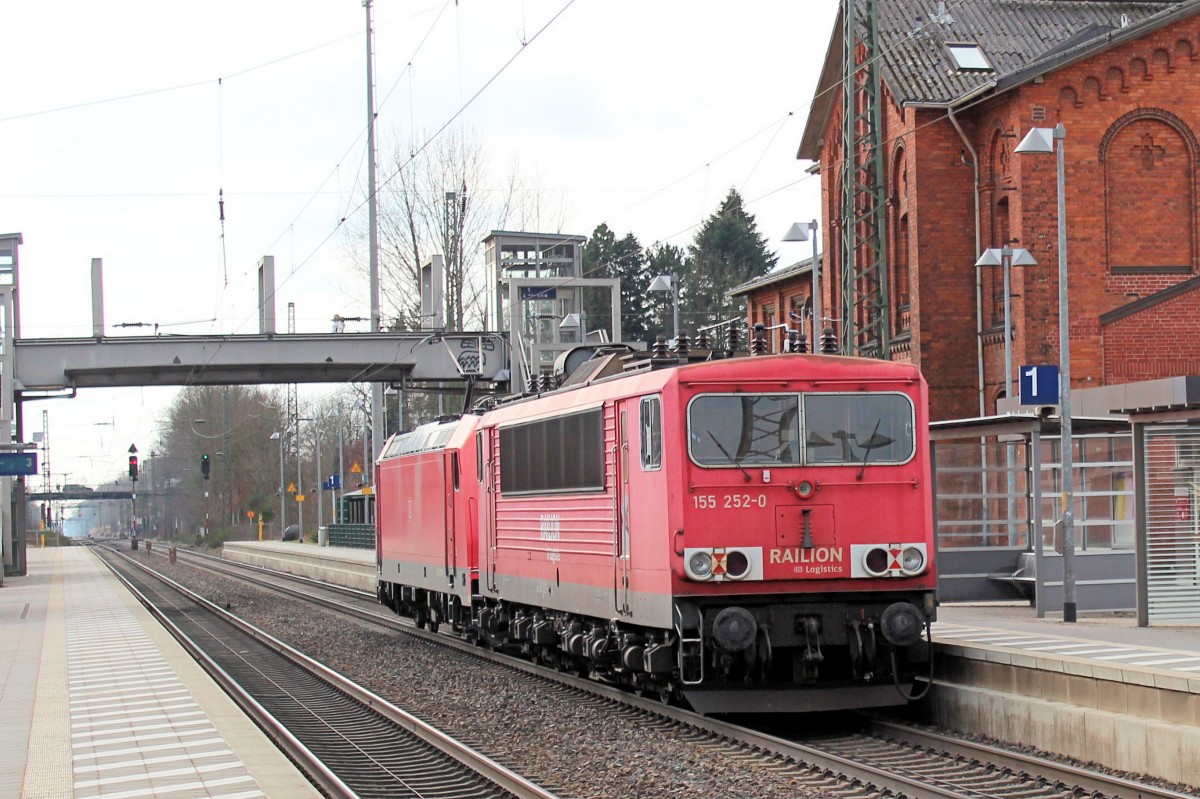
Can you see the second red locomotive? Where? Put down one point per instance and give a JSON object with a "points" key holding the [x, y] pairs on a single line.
{"points": [[746, 534]]}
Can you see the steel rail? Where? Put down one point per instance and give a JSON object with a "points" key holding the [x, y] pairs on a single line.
{"points": [[503, 777], [811, 754]]}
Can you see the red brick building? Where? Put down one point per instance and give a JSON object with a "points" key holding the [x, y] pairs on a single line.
{"points": [[1124, 80]]}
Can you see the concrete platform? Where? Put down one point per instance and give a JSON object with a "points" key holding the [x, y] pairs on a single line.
{"points": [[1101, 689], [354, 568], [98, 700]]}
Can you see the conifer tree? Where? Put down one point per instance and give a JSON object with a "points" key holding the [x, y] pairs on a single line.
{"points": [[727, 251], [605, 255]]}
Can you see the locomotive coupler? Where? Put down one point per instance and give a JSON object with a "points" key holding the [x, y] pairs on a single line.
{"points": [[862, 648], [812, 641]]}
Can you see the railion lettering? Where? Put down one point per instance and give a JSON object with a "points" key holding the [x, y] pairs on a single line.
{"points": [[786, 555]]}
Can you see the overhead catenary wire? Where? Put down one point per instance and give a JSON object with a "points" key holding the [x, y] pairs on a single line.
{"points": [[298, 266]]}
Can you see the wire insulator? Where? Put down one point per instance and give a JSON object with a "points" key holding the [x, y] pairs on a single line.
{"points": [[796, 341], [681, 346], [731, 337], [759, 347], [660, 348], [829, 345]]}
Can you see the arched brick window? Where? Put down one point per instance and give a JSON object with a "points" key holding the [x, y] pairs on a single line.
{"points": [[898, 236], [995, 280], [1149, 159], [903, 271], [831, 272], [999, 158]]}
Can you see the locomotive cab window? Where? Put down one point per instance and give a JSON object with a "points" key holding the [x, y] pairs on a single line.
{"points": [[744, 429], [651, 433], [858, 428], [736, 430]]}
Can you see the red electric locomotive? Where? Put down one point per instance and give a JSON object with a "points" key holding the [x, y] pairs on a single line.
{"points": [[746, 534]]}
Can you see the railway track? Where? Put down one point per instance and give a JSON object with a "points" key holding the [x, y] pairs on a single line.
{"points": [[350, 742], [876, 759]]}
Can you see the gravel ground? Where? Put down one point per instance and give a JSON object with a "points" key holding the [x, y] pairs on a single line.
{"points": [[577, 750]]}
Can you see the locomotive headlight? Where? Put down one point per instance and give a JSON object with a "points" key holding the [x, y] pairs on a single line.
{"points": [[912, 560], [804, 489], [737, 565], [700, 565], [876, 561]]}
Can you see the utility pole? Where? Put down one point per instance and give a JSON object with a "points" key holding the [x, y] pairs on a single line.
{"points": [[299, 485], [320, 486], [373, 223], [341, 492]]}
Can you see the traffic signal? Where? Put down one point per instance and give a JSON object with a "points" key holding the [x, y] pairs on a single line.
{"points": [[204, 465], [133, 472]]}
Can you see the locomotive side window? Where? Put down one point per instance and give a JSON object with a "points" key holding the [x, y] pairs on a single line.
{"points": [[858, 428], [742, 429], [651, 433], [479, 457], [565, 453]]}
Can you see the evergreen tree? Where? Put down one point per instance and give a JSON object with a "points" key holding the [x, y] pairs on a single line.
{"points": [[727, 251], [606, 256]]}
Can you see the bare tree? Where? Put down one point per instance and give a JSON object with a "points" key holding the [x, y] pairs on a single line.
{"points": [[440, 199], [232, 425]]}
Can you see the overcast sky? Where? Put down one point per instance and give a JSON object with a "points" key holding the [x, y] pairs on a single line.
{"points": [[121, 121]]}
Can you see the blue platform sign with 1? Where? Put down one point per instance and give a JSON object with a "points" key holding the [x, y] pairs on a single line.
{"points": [[1039, 385]]}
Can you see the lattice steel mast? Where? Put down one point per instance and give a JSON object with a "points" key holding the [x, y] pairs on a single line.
{"points": [[863, 210]]}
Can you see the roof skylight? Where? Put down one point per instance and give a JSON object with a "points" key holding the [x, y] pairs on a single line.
{"points": [[969, 56]]}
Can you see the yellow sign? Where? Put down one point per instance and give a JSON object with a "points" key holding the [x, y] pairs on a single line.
{"points": [[367, 490], [356, 469], [299, 497], [291, 488]]}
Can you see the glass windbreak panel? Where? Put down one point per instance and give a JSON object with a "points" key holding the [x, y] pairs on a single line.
{"points": [[1102, 494], [744, 429], [858, 428], [982, 492]]}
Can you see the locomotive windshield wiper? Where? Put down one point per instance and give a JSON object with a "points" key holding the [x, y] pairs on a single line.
{"points": [[871, 442], [729, 457]]}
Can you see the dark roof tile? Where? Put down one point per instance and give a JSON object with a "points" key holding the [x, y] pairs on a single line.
{"points": [[1019, 37]]}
